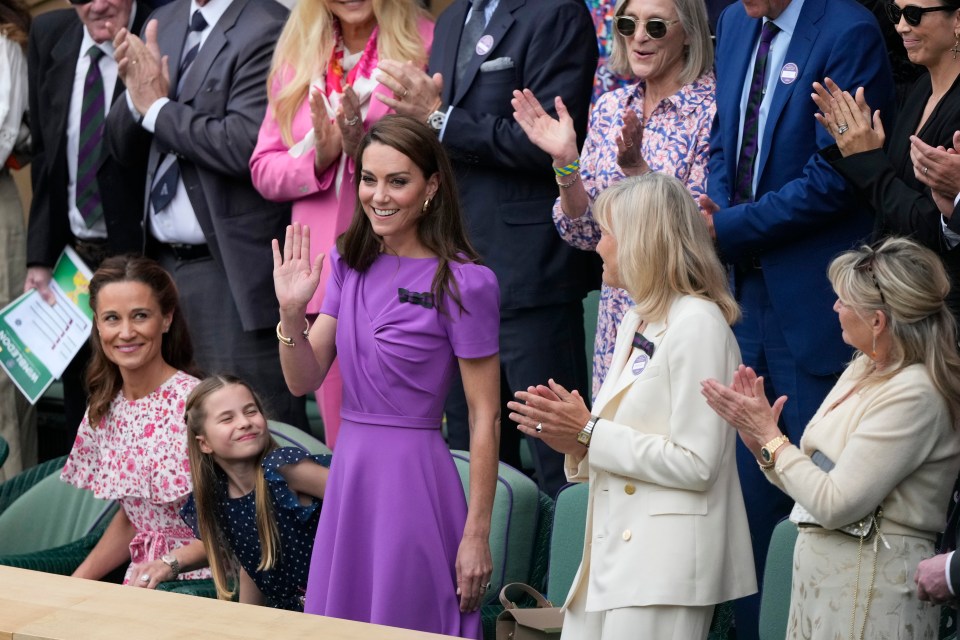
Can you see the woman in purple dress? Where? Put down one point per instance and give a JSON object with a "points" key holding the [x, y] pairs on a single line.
{"points": [[406, 305]]}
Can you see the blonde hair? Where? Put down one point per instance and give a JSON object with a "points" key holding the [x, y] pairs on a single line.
{"points": [[663, 245], [204, 473], [908, 284], [699, 50], [306, 43]]}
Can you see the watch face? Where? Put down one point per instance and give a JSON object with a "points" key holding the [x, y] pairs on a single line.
{"points": [[765, 454], [436, 120]]}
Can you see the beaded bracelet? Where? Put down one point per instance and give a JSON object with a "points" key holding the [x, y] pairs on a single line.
{"points": [[567, 170]]}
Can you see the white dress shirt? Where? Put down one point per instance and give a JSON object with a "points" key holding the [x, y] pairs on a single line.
{"points": [[13, 95]]}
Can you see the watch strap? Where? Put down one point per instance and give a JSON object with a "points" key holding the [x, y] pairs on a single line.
{"points": [[586, 434]]}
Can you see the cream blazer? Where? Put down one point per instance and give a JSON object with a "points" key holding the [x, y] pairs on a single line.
{"points": [[666, 523]]}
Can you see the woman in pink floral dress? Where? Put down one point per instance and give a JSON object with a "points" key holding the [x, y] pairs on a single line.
{"points": [[132, 443], [661, 123]]}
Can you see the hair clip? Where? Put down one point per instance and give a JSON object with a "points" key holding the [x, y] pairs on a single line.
{"points": [[425, 299]]}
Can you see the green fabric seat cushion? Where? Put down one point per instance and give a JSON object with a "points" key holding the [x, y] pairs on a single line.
{"points": [[566, 541], [777, 582]]}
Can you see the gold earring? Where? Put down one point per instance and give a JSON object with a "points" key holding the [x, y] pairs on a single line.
{"points": [[426, 204], [873, 351], [956, 46]]}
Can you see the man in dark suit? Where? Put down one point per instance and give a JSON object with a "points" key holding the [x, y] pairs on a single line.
{"points": [[82, 196], [779, 211], [196, 95], [481, 54]]}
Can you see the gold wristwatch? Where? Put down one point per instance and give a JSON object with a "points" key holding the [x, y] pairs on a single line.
{"points": [[768, 450]]}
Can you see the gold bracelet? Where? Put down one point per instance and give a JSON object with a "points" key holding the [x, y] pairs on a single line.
{"points": [[567, 185], [289, 342]]}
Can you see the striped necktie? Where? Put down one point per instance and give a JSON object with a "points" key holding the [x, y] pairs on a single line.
{"points": [[469, 37], [751, 118], [92, 112]]}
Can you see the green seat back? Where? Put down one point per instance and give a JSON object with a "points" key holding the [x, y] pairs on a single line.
{"points": [[289, 436], [50, 514], [513, 525], [777, 580], [566, 540]]}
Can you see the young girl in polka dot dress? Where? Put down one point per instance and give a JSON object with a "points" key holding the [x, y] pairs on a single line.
{"points": [[254, 505]]}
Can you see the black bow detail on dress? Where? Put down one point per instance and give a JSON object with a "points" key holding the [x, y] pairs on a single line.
{"points": [[640, 342], [425, 299]]}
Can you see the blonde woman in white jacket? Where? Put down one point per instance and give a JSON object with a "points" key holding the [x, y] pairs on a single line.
{"points": [[667, 536]]}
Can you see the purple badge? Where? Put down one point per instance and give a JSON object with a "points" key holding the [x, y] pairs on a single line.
{"points": [[640, 363], [789, 73], [484, 45]]}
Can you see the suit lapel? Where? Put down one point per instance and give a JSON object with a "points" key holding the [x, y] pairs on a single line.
{"points": [[170, 38], [612, 384], [801, 44], [447, 42], [209, 51], [740, 58], [60, 77], [497, 28]]}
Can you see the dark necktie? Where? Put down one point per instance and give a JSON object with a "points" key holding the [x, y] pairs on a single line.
{"points": [[751, 118], [92, 111], [165, 185], [472, 31]]}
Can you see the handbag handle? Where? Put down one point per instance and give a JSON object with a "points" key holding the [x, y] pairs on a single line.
{"points": [[530, 591]]}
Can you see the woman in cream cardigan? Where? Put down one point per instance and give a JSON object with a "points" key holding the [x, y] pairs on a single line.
{"points": [[884, 436], [667, 535]]}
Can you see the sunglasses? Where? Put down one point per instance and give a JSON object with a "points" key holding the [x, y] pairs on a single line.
{"points": [[77, 3], [865, 264], [911, 13], [656, 28]]}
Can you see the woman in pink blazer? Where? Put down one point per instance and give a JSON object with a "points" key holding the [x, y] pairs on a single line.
{"points": [[323, 97]]}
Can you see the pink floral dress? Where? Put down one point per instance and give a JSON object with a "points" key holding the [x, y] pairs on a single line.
{"points": [[675, 142], [138, 456]]}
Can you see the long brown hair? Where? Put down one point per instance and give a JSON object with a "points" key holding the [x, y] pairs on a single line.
{"points": [[203, 472], [440, 229], [103, 376], [15, 21]]}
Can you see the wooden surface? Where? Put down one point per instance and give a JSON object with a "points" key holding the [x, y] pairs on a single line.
{"points": [[43, 606]]}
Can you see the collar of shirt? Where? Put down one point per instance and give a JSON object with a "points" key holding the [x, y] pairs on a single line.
{"points": [[787, 20], [688, 98], [487, 11], [212, 11]]}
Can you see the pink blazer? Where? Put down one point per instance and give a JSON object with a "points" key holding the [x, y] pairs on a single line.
{"points": [[280, 177]]}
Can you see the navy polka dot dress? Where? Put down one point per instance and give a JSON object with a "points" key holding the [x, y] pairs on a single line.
{"points": [[284, 585]]}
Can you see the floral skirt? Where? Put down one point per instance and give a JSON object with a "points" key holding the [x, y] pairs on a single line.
{"points": [[824, 592]]}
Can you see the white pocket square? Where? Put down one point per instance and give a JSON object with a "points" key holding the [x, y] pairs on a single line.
{"points": [[497, 64]]}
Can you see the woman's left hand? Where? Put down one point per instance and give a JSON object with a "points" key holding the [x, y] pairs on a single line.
{"points": [[559, 414], [149, 574], [744, 405], [474, 568], [350, 121], [848, 118]]}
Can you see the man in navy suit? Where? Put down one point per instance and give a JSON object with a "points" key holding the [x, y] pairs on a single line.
{"points": [[780, 213], [482, 52]]}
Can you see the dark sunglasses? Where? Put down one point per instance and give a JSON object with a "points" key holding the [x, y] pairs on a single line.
{"points": [[80, 2], [911, 13], [865, 265], [656, 28]]}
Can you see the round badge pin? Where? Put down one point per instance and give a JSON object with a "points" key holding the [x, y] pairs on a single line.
{"points": [[640, 363], [789, 73], [484, 45]]}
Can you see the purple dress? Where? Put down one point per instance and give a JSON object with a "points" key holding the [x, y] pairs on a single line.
{"points": [[394, 508]]}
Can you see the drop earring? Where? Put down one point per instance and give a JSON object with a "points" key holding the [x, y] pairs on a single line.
{"points": [[873, 351], [956, 46], [426, 203]]}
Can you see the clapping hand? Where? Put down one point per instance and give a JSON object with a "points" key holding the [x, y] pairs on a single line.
{"points": [[327, 137], [848, 118], [552, 414], [141, 67], [555, 136], [629, 155], [350, 121], [745, 406], [295, 277], [939, 169]]}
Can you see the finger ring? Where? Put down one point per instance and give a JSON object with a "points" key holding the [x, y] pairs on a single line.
{"points": [[924, 171], [144, 578], [404, 94], [352, 121], [842, 128], [627, 144], [133, 62], [539, 427], [485, 586]]}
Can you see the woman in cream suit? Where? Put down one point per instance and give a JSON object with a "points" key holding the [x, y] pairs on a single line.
{"points": [[667, 535]]}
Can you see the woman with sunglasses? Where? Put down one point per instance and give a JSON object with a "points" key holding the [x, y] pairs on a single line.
{"points": [[879, 167], [881, 449], [659, 123]]}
